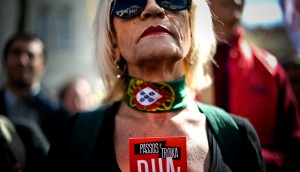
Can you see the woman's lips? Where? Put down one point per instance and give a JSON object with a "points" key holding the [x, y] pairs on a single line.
{"points": [[154, 31]]}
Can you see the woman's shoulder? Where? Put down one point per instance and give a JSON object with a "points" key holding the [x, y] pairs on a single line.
{"points": [[252, 154], [236, 138], [244, 124]]}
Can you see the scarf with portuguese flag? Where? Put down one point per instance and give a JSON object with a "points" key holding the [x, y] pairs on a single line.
{"points": [[156, 96]]}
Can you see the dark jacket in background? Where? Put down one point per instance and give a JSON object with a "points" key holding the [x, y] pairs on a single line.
{"points": [[36, 135]]}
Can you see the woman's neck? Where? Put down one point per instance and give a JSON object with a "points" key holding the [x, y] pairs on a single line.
{"points": [[163, 72]]}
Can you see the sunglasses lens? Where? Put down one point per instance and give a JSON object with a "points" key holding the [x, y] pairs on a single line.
{"points": [[174, 5], [128, 8]]}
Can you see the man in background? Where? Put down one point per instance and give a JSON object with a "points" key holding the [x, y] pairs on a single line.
{"points": [[24, 101], [76, 95], [291, 17], [249, 81]]}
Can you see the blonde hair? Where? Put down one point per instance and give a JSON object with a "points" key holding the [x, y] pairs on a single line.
{"points": [[201, 51]]}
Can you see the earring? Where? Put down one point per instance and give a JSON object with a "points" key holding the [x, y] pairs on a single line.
{"points": [[120, 68], [190, 61]]}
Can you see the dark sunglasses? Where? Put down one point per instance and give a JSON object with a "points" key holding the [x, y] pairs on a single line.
{"points": [[124, 9]]}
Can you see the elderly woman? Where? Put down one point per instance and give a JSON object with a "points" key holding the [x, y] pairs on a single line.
{"points": [[152, 56]]}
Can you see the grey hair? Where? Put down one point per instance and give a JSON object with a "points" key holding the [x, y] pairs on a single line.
{"points": [[201, 51]]}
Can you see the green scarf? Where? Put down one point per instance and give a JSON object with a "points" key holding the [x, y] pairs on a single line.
{"points": [[156, 96]]}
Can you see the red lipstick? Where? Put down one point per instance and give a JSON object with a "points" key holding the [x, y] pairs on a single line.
{"points": [[154, 31]]}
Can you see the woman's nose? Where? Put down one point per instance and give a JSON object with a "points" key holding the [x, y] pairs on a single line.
{"points": [[152, 9]]}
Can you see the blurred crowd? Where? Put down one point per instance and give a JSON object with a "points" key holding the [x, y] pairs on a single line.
{"points": [[30, 117]]}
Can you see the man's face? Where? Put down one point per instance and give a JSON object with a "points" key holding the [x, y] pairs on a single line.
{"points": [[24, 63], [228, 11]]}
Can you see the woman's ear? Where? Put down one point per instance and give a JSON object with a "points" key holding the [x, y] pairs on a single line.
{"points": [[117, 53], [116, 49], [114, 42]]}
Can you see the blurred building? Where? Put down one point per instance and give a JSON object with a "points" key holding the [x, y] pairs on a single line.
{"points": [[265, 28], [273, 39], [66, 28]]}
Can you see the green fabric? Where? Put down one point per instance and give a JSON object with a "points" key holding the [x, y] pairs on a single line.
{"points": [[223, 126], [85, 135], [226, 132], [173, 95]]}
